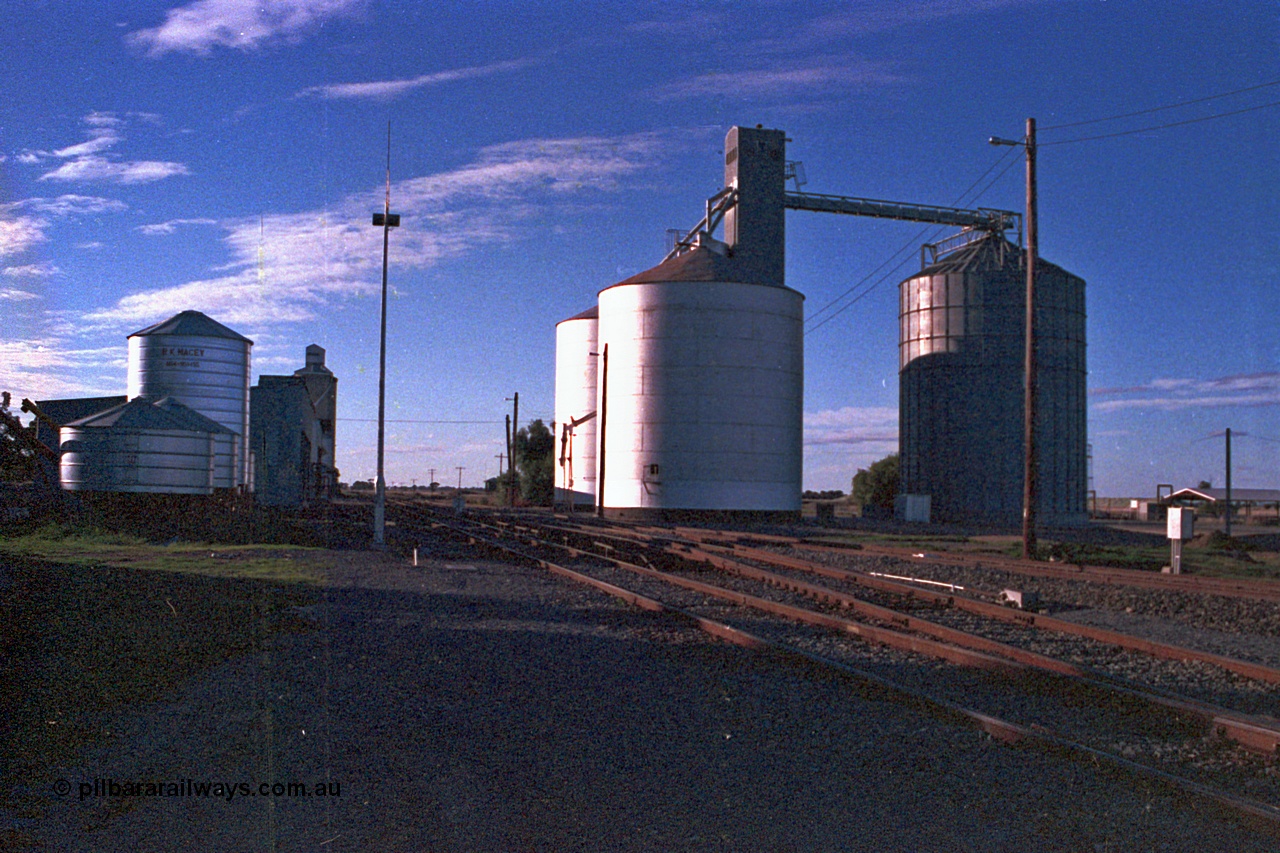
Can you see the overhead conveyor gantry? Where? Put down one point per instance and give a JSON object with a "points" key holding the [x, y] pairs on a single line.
{"points": [[983, 218], [724, 202]]}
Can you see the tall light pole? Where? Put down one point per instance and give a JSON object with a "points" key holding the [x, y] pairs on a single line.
{"points": [[387, 220], [1030, 491]]}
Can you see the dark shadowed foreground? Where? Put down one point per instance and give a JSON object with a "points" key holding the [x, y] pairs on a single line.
{"points": [[472, 705]]}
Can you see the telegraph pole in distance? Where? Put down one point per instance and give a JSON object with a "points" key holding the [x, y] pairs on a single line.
{"points": [[513, 457], [1228, 481], [460, 470]]}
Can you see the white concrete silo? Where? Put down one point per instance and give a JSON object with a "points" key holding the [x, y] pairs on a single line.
{"points": [[201, 363], [702, 395], [577, 364]]}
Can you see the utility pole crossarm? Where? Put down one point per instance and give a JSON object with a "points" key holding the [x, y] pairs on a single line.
{"points": [[986, 218]]}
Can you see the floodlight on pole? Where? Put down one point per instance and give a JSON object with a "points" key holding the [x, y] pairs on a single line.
{"points": [[1030, 492], [387, 220]]}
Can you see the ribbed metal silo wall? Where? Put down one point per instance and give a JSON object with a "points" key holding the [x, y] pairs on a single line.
{"points": [[123, 459], [577, 364], [705, 396], [209, 374], [961, 388]]}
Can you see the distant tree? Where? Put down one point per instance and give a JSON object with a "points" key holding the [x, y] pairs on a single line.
{"points": [[877, 486], [362, 486], [827, 495], [1204, 484], [499, 485], [535, 463]]}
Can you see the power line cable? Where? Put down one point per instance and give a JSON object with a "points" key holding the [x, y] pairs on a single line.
{"points": [[923, 234], [1162, 126], [411, 421], [1160, 109]]}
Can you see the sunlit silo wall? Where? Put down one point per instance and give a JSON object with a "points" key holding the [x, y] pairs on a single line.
{"points": [[202, 364], [961, 349], [144, 445], [576, 376], [705, 391]]}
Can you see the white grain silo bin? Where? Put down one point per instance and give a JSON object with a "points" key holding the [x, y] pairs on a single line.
{"points": [[144, 445], [703, 397], [576, 369], [202, 364]]}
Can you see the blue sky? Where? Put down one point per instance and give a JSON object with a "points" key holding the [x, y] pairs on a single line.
{"points": [[226, 155]]}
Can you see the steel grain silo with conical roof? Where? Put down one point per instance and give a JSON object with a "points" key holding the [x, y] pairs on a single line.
{"points": [[201, 363], [961, 351]]}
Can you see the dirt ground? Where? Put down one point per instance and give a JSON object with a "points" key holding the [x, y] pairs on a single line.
{"points": [[476, 705]]}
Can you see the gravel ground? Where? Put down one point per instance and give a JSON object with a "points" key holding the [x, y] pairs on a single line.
{"points": [[476, 705], [1094, 717]]}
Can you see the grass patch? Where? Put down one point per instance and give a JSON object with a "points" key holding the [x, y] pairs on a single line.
{"points": [[927, 543], [88, 546], [94, 622], [1216, 555], [1210, 560]]}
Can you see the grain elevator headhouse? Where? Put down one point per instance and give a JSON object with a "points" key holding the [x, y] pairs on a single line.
{"points": [[755, 226]]}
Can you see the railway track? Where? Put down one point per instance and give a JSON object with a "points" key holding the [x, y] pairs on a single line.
{"points": [[1253, 589], [1014, 693]]}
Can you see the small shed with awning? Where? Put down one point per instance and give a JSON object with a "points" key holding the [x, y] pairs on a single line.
{"points": [[1247, 498]]}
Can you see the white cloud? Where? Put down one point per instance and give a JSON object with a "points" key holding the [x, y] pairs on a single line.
{"points": [[92, 160], [19, 233], [158, 228], [417, 448], [289, 266], [865, 18], [387, 89], [237, 24], [872, 425], [31, 271], [822, 78], [12, 294], [102, 169], [38, 368], [1172, 394], [73, 205]]}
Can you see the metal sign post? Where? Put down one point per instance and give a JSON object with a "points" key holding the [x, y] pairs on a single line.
{"points": [[1181, 528]]}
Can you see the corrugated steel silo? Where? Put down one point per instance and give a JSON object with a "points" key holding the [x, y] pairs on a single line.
{"points": [[961, 347], [202, 364], [705, 387], [144, 445], [577, 365]]}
